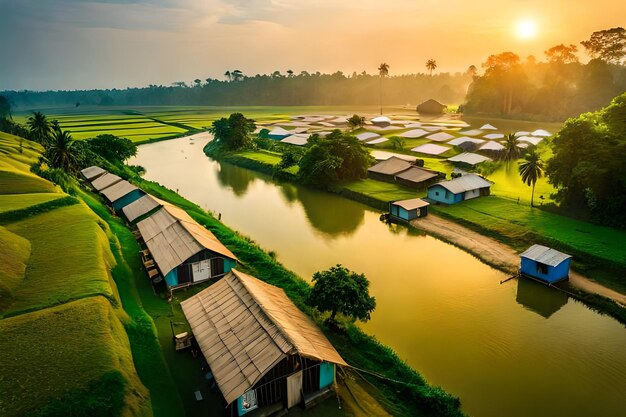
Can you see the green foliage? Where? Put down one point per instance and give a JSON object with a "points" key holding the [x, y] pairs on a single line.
{"points": [[511, 151], [61, 152], [356, 121], [57, 176], [233, 133], [588, 163], [33, 210], [340, 290], [5, 108], [337, 157], [112, 148], [397, 143], [263, 142], [290, 157], [40, 127], [531, 169]]}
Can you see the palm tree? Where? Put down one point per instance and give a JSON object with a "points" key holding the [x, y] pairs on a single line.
{"points": [[61, 152], [40, 127], [383, 71], [237, 75], [511, 151], [228, 76], [531, 169], [431, 65]]}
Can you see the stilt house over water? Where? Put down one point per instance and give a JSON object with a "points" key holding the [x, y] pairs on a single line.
{"points": [[264, 353], [547, 264]]}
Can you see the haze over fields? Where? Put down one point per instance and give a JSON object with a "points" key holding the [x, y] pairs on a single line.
{"points": [[75, 44]]}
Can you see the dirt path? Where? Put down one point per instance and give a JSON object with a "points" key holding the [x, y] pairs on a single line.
{"points": [[498, 254]]}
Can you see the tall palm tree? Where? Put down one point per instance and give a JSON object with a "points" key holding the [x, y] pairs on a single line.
{"points": [[431, 65], [40, 127], [531, 169], [61, 152], [228, 76], [237, 75], [511, 151], [383, 71]]}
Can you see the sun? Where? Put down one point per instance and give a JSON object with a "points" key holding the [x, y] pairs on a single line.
{"points": [[526, 29]]}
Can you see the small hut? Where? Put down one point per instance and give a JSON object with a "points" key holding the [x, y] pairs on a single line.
{"points": [[387, 169], [431, 107], [459, 189], [544, 263], [264, 353], [381, 121], [408, 209], [417, 177]]}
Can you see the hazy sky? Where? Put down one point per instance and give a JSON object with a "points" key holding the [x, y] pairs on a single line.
{"points": [[75, 44]]}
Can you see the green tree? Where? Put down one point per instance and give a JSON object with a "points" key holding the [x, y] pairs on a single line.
{"points": [[112, 148], [431, 65], [511, 151], [337, 157], [39, 126], [234, 132], [340, 290], [356, 121], [531, 169], [5, 108], [228, 76], [397, 142], [383, 71], [608, 45], [61, 152]]}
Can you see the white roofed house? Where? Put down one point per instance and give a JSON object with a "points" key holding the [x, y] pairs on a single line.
{"points": [[459, 189], [184, 252], [121, 194], [93, 172], [381, 121], [264, 353]]}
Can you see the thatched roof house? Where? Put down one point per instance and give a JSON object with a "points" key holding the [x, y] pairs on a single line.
{"points": [[431, 107]]}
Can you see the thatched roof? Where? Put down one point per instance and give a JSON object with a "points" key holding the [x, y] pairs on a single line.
{"points": [[390, 166], [172, 237], [245, 326], [431, 107]]}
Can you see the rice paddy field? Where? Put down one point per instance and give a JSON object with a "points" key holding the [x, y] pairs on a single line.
{"points": [[64, 345]]}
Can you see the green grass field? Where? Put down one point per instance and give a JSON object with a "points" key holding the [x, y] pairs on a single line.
{"points": [[10, 202]]}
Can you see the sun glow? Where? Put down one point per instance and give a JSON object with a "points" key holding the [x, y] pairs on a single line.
{"points": [[526, 29]]}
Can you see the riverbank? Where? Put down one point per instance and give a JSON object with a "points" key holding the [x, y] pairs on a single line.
{"points": [[602, 295]]}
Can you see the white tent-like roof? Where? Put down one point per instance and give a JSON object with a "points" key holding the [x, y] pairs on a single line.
{"points": [[432, 128], [465, 183], [299, 139], [469, 158], [494, 136], [488, 127], [440, 136], [472, 132], [463, 139], [492, 145], [522, 133], [367, 136], [541, 132], [245, 326], [381, 119], [375, 141], [383, 155], [279, 131], [545, 255], [431, 149], [413, 125], [415, 133], [534, 140]]}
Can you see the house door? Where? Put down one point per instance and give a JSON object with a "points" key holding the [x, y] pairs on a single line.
{"points": [[201, 270], [294, 389]]}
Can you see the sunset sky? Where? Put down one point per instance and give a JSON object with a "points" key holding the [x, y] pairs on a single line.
{"points": [[75, 44]]}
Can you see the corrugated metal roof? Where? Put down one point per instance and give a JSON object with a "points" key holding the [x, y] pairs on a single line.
{"points": [[104, 181], [416, 174], [118, 190], [465, 183], [412, 204], [545, 255], [92, 172], [172, 237], [469, 158], [142, 206], [245, 326], [390, 166]]}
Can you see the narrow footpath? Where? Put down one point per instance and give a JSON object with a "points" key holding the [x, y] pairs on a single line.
{"points": [[499, 255]]}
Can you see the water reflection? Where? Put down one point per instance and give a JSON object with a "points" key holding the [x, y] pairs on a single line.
{"points": [[539, 298], [235, 178]]}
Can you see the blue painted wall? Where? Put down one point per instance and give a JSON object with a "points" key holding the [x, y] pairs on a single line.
{"points": [[327, 374], [172, 277], [134, 195], [554, 273], [440, 194]]}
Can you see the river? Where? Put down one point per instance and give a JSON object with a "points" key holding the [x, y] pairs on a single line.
{"points": [[516, 349]]}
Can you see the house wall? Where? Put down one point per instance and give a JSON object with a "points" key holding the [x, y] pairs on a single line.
{"points": [[182, 274], [381, 177], [402, 213], [441, 195], [554, 273], [134, 195], [327, 374]]}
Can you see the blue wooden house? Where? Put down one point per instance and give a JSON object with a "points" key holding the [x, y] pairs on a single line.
{"points": [[546, 264], [408, 209], [265, 354], [459, 189]]}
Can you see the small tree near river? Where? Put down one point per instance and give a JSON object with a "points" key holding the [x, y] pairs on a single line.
{"points": [[233, 133], [340, 290]]}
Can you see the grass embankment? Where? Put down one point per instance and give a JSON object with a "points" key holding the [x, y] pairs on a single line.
{"points": [[598, 251], [65, 349], [411, 397]]}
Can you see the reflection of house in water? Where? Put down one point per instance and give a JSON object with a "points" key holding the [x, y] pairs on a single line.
{"points": [[539, 298]]}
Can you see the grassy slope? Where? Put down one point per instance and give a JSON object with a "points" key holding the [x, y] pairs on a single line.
{"points": [[10, 202]]}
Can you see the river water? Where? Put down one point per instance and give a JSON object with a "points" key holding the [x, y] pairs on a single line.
{"points": [[516, 349]]}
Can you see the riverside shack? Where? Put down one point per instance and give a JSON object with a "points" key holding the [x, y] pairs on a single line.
{"points": [[408, 209], [459, 189], [544, 263], [264, 353]]}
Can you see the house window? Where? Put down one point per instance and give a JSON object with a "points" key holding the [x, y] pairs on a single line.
{"points": [[542, 268], [217, 266], [436, 192]]}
